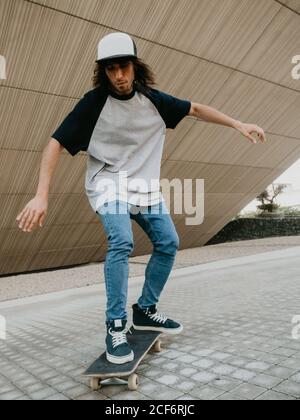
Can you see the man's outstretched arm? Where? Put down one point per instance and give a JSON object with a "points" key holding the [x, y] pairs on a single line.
{"points": [[209, 114], [35, 212]]}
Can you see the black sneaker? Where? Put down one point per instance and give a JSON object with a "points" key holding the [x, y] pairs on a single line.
{"points": [[151, 320], [117, 348]]}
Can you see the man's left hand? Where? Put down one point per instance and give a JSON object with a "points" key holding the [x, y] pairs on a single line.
{"points": [[248, 129]]}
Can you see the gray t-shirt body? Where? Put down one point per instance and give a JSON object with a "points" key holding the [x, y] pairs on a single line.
{"points": [[124, 139], [129, 137]]}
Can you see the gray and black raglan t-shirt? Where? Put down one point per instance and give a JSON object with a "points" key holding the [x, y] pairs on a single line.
{"points": [[124, 138]]}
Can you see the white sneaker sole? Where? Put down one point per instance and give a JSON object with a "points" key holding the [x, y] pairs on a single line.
{"points": [[120, 360], [171, 331]]}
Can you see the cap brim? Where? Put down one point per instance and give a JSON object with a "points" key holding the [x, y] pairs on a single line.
{"points": [[115, 59]]}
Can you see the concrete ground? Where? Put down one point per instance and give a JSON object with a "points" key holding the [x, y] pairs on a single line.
{"points": [[237, 342], [32, 284]]}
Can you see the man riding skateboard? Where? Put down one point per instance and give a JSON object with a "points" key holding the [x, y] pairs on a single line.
{"points": [[121, 124]]}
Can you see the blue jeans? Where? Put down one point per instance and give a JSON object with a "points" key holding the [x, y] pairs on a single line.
{"points": [[158, 225]]}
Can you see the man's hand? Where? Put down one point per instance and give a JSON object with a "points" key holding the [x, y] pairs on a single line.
{"points": [[33, 214], [248, 129]]}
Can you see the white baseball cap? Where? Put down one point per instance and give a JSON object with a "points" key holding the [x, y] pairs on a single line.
{"points": [[116, 45]]}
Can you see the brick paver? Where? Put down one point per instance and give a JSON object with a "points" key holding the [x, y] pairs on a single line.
{"points": [[237, 342]]}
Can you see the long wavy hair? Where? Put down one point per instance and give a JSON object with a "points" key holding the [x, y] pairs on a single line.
{"points": [[144, 76]]}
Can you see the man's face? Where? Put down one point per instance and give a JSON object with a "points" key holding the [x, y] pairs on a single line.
{"points": [[121, 76]]}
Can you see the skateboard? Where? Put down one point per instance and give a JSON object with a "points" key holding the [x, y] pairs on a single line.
{"points": [[141, 343]]}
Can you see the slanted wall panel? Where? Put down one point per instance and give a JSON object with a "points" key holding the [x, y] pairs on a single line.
{"points": [[221, 53]]}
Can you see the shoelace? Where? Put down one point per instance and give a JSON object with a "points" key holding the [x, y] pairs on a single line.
{"points": [[118, 337], [157, 317]]}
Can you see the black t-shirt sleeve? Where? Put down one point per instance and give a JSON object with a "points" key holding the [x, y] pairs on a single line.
{"points": [[173, 109], [71, 133]]}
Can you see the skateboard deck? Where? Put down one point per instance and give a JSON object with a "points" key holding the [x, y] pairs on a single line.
{"points": [[141, 343]]}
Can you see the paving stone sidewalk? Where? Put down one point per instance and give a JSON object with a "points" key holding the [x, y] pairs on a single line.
{"points": [[33, 284], [237, 342]]}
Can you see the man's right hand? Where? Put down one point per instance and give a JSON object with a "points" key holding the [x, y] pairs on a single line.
{"points": [[33, 214]]}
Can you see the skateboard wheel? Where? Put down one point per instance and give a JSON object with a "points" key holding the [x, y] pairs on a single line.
{"points": [[157, 346], [95, 384], [133, 382]]}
